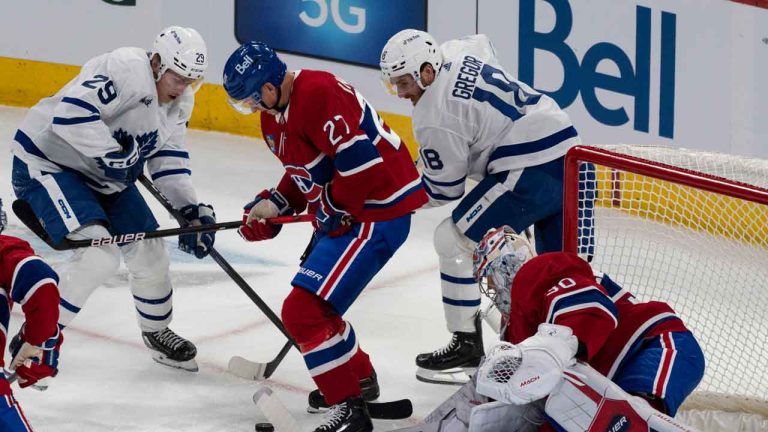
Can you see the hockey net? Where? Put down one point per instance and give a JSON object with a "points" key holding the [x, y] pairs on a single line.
{"points": [[689, 228]]}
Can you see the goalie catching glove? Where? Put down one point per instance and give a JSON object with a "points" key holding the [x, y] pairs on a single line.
{"points": [[267, 204], [531, 370], [32, 363]]}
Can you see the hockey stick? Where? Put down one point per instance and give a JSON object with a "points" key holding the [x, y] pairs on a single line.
{"points": [[270, 367], [24, 212]]}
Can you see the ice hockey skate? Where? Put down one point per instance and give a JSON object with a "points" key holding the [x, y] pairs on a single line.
{"points": [[170, 349], [455, 362], [369, 388], [348, 416]]}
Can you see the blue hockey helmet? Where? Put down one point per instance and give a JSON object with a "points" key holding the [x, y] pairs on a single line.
{"points": [[3, 217], [251, 66]]}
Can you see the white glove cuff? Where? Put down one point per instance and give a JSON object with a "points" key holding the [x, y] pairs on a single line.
{"points": [[262, 210]]}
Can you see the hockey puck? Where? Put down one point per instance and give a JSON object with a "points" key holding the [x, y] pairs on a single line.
{"points": [[264, 427]]}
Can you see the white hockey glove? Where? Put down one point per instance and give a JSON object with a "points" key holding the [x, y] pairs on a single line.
{"points": [[519, 374]]}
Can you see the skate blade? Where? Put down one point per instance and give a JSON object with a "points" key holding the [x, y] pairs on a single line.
{"points": [[187, 365], [454, 376], [316, 410]]}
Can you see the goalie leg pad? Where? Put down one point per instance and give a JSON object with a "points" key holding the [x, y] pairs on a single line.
{"points": [[86, 270], [587, 400], [328, 344], [461, 296], [148, 264]]}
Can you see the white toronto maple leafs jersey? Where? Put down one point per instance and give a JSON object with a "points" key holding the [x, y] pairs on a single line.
{"points": [[476, 120], [114, 94]]}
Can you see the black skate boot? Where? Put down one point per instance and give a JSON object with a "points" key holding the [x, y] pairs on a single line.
{"points": [[369, 388], [348, 416], [454, 363], [170, 349]]}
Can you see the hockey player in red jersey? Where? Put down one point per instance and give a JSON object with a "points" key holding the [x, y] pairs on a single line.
{"points": [[356, 175], [644, 348], [27, 280]]}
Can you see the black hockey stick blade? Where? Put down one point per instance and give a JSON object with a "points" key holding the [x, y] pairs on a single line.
{"points": [[24, 212], [392, 410]]}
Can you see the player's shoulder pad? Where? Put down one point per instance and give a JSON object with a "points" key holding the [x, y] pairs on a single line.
{"points": [[318, 86], [10, 244], [479, 46], [131, 72]]}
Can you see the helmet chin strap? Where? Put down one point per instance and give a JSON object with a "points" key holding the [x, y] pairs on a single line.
{"points": [[276, 107]]}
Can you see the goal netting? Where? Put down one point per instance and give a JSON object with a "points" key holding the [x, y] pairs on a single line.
{"points": [[689, 228]]}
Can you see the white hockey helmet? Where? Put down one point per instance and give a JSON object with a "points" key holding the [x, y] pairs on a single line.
{"points": [[182, 50], [405, 53], [498, 257]]}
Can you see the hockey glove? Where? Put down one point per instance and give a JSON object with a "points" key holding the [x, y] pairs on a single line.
{"points": [[267, 204], [198, 244], [124, 165], [331, 220], [33, 363]]}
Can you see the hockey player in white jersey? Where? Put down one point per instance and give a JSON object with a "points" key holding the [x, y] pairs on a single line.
{"points": [[77, 155], [474, 121]]}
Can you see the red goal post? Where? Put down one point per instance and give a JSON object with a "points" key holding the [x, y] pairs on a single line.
{"points": [[689, 228]]}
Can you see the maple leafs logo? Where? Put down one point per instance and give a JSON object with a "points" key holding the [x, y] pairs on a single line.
{"points": [[147, 142]]}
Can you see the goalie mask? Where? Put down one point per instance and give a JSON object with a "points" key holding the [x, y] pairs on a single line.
{"points": [[495, 262], [3, 217]]}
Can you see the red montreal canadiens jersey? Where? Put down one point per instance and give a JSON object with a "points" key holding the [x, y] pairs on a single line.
{"points": [[28, 280], [561, 288], [330, 135]]}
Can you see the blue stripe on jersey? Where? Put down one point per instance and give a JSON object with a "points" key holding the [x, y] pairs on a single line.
{"points": [[75, 120], [171, 153], [401, 197], [154, 301], [457, 280], [30, 273], [81, 103], [356, 155], [454, 302], [610, 286], [68, 306], [585, 299], [436, 195], [333, 352], [368, 124], [322, 172], [28, 145], [155, 317], [446, 184], [533, 146], [161, 174]]}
